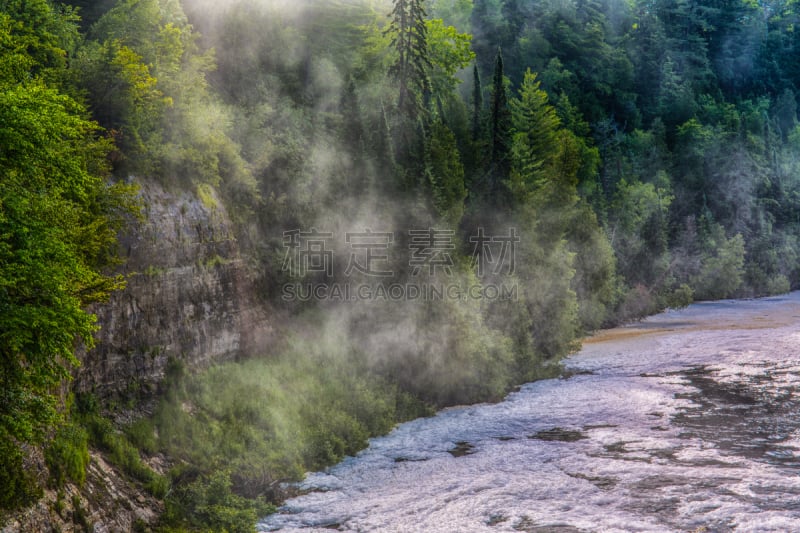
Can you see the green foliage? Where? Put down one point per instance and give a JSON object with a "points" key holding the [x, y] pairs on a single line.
{"points": [[141, 434], [722, 273], [51, 244], [124, 96], [448, 52], [58, 225], [536, 130], [67, 455], [118, 449], [409, 33], [546, 271], [477, 105], [40, 36], [146, 80], [208, 504], [455, 355], [676, 99], [79, 514], [500, 126], [453, 12], [680, 297], [240, 430], [18, 487], [447, 174], [587, 153], [595, 283], [639, 231]]}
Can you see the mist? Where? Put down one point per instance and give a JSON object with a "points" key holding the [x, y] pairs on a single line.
{"points": [[425, 214]]}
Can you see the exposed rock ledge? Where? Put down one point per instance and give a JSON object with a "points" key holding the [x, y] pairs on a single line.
{"points": [[189, 296], [106, 503]]}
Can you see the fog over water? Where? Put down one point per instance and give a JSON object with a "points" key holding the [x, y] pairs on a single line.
{"points": [[686, 421]]}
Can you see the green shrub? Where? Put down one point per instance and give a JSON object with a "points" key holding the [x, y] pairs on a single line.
{"points": [[208, 504], [264, 422], [142, 435], [722, 274], [67, 455], [158, 486], [17, 487], [79, 515], [680, 297], [59, 506], [120, 451]]}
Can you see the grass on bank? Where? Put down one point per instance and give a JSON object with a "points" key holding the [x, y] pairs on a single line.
{"points": [[236, 433]]}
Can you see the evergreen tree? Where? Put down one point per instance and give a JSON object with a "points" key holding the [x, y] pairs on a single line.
{"points": [[686, 27], [352, 128], [646, 43], [500, 127], [477, 104], [409, 38], [352, 137], [546, 158], [510, 32], [446, 173], [383, 148], [536, 129]]}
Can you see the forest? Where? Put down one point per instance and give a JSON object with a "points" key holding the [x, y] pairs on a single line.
{"points": [[644, 154]]}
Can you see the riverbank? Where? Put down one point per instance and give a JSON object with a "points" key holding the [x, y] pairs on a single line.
{"points": [[227, 443], [684, 421]]}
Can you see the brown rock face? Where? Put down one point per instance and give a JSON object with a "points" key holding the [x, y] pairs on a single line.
{"points": [[189, 296], [106, 503]]}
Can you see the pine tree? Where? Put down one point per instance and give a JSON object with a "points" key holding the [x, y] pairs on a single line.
{"points": [[477, 104], [536, 128], [500, 127], [446, 173], [352, 128], [410, 68], [384, 147]]}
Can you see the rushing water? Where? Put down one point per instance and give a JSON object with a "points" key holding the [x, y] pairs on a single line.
{"points": [[687, 421]]}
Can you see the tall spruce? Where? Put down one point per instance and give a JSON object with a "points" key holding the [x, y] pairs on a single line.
{"points": [[500, 127], [477, 104], [383, 148], [536, 130], [352, 128], [352, 136], [410, 40]]}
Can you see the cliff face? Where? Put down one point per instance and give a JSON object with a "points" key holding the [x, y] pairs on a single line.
{"points": [[188, 296], [106, 503]]}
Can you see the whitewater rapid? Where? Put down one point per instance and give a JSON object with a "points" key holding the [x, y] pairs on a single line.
{"points": [[686, 421]]}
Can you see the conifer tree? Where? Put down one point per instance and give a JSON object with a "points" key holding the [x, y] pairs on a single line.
{"points": [[353, 137], [536, 129], [383, 147], [446, 173], [410, 68], [477, 103], [352, 129], [500, 127]]}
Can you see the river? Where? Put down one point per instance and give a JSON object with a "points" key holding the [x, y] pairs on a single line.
{"points": [[686, 421]]}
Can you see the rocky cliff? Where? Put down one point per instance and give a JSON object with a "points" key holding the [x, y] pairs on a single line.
{"points": [[189, 295], [106, 503]]}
